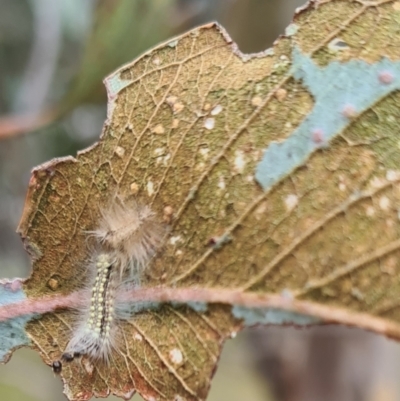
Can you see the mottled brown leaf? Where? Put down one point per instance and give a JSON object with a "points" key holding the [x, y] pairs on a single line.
{"points": [[187, 126]]}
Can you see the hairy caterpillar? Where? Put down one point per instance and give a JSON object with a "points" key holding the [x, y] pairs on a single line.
{"points": [[127, 238], [94, 332], [131, 234], [93, 336]]}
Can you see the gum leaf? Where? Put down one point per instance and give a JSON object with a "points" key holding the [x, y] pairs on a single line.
{"points": [[279, 173]]}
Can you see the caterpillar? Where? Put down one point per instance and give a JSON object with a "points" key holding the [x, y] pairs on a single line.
{"points": [[94, 331], [132, 234], [126, 240]]}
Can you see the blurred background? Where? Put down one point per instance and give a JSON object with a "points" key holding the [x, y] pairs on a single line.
{"points": [[53, 57]]}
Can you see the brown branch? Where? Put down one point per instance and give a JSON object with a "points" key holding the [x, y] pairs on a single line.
{"points": [[13, 125], [326, 314]]}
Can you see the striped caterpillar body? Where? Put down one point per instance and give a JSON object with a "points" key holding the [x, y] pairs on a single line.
{"points": [[94, 334], [128, 238]]}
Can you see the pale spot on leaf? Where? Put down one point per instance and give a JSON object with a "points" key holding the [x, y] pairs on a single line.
{"points": [[200, 166], [175, 104], [209, 123], [158, 151], [134, 187], [168, 212], [166, 158], [120, 151], [158, 129], [239, 162], [176, 357], [221, 183], [281, 94], [377, 182], [52, 284], [150, 188], [384, 203], [291, 202], [256, 101], [216, 110], [356, 293], [370, 211], [174, 240], [261, 210], [204, 152], [88, 366], [393, 175]]}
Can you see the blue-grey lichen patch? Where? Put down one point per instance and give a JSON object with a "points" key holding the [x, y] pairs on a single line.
{"points": [[334, 87], [126, 310], [115, 84], [270, 52], [291, 29], [12, 332], [173, 43], [219, 242], [253, 316], [200, 307]]}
